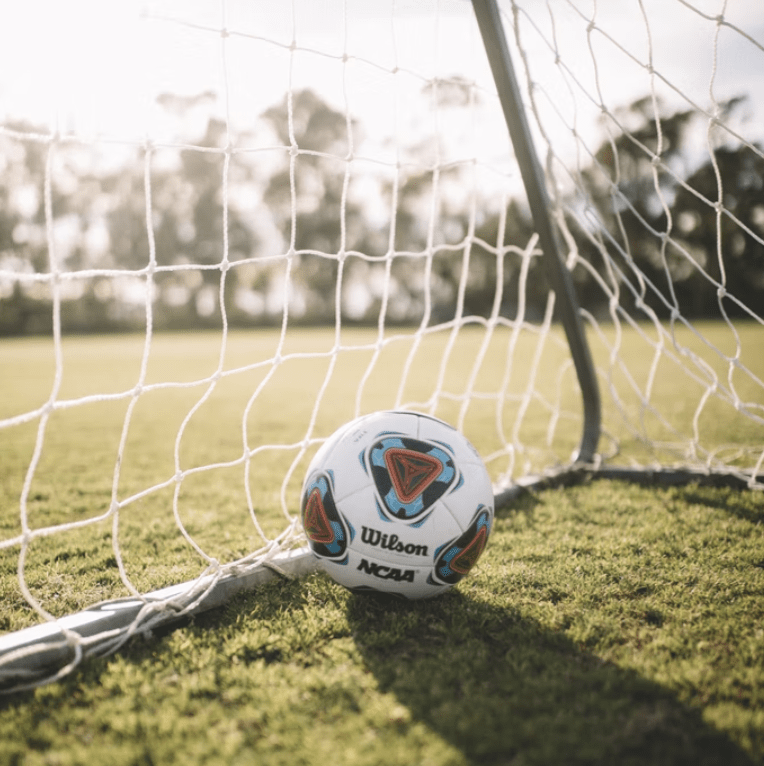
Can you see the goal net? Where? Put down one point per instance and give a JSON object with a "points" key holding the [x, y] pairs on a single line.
{"points": [[227, 229]]}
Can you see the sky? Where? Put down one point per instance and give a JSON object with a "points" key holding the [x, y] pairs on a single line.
{"points": [[96, 68]]}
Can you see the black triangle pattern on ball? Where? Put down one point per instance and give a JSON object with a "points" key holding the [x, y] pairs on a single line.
{"points": [[328, 534], [410, 475], [455, 559], [316, 522], [411, 472]]}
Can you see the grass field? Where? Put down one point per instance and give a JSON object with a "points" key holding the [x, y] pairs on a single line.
{"points": [[606, 623]]}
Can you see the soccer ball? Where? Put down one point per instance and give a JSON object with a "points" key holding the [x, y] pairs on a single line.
{"points": [[398, 502]]}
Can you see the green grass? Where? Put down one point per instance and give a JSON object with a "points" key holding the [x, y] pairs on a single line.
{"points": [[606, 623]]}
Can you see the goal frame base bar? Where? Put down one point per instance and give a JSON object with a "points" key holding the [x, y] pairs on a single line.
{"points": [[48, 651]]}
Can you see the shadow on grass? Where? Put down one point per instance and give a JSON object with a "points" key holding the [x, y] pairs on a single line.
{"points": [[744, 505], [502, 689], [496, 685]]}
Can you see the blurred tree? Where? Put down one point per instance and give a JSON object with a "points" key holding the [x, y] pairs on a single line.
{"points": [[659, 221], [25, 307], [518, 230], [739, 186], [187, 215], [310, 198], [449, 235], [436, 195], [638, 201]]}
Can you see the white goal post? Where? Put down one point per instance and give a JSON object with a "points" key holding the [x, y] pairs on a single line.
{"points": [[540, 221]]}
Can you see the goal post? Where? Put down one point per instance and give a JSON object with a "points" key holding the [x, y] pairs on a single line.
{"points": [[489, 19], [497, 50], [529, 219]]}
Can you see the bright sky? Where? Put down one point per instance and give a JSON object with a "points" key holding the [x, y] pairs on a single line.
{"points": [[97, 67]]}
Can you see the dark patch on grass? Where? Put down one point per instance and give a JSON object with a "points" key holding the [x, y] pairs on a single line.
{"points": [[654, 617], [524, 505], [743, 505]]}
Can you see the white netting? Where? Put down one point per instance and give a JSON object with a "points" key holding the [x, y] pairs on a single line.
{"points": [[663, 212], [278, 216]]}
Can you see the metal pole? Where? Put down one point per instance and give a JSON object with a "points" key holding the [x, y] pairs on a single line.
{"points": [[34, 655], [492, 31]]}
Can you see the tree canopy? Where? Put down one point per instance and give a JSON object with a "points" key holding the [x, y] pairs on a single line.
{"points": [[219, 222]]}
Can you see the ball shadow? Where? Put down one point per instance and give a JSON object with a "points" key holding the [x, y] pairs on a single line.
{"points": [[503, 689]]}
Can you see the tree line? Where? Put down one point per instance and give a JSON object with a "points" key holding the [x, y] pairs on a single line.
{"points": [[308, 206]]}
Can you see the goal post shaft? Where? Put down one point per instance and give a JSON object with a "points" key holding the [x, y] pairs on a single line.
{"points": [[495, 42]]}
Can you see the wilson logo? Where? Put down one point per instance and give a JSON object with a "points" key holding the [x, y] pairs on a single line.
{"points": [[377, 539], [385, 572]]}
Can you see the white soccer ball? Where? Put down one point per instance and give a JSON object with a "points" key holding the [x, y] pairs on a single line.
{"points": [[398, 502]]}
